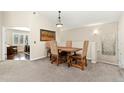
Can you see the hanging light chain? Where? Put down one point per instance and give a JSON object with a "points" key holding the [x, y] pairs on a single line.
{"points": [[59, 16], [59, 24]]}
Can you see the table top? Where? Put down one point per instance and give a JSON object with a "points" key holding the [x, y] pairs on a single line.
{"points": [[69, 49]]}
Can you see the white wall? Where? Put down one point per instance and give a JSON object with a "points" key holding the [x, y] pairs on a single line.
{"points": [[16, 19], [81, 34], [39, 22], [121, 40], [0, 35]]}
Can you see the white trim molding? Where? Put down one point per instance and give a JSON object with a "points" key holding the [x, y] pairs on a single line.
{"points": [[33, 59], [92, 61], [107, 62], [121, 65]]}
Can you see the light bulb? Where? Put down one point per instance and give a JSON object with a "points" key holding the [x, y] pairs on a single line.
{"points": [[59, 25], [95, 32]]}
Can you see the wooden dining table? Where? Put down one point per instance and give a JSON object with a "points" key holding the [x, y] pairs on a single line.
{"points": [[69, 51]]}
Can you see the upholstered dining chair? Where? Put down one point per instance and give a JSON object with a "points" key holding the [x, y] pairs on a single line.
{"points": [[68, 43], [47, 44], [55, 57], [81, 60]]}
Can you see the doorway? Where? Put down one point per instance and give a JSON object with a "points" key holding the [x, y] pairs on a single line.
{"points": [[15, 43]]}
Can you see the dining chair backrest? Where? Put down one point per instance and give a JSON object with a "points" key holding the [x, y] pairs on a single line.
{"points": [[53, 46], [47, 44], [85, 48], [68, 43]]}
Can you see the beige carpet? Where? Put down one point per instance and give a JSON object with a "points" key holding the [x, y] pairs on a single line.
{"points": [[44, 71]]}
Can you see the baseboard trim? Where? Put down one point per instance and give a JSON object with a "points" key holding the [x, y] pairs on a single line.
{"points": [[107, 62], [94, 62], [37, 58], [121, 65], [89, 58]]}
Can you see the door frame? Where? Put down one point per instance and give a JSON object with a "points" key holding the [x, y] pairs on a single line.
{"points": [[4, 50]]}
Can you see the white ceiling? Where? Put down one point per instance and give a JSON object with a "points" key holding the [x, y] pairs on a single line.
{"points": [[76, 19]]}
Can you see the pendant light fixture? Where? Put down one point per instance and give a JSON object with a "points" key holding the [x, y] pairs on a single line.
{"points": [[59, 24]]}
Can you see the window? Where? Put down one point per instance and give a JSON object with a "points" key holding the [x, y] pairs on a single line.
{"points": [[20, 39], [16, 38], [26, 39]]}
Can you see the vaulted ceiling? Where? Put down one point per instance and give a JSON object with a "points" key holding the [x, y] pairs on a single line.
{"points": [[76, 19]]}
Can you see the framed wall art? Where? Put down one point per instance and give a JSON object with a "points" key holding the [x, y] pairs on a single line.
{"points": [[47, 35]]}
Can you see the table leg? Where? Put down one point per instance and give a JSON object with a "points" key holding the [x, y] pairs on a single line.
{"points": [[68, 59], [75, 54]]}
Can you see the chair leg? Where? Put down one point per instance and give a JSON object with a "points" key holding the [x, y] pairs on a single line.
{"points": [[51, 62], [82, 68], [50, 57], [85, 62], [53, 59], [57, 61], [70, 61], [82, 64]]}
